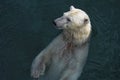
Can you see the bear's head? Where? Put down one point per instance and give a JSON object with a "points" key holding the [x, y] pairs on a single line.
{"points": [[73, 19]]}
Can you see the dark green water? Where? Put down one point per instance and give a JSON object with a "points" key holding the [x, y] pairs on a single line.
{"points": [[26, 28]]}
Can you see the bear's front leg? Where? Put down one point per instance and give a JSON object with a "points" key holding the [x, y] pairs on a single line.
{"points": [[39, 64], [44, 58], [38, 68]]}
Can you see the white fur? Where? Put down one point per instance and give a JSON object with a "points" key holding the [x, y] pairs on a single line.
{"points": [[65, 56]]}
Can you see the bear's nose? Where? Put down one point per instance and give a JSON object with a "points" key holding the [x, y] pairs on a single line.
{"points": [[54, 23]]}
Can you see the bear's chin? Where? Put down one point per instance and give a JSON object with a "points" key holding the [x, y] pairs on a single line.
{"points": [[58, 27]]}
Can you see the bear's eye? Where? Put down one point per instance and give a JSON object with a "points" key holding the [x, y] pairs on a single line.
{"points": [[85, 20], [68, 19]]}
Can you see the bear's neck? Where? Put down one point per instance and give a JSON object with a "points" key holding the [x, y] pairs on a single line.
{"points": [[77, 37]]}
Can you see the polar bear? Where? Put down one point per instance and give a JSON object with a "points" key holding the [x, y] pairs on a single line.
{"points": [[65, 57]]}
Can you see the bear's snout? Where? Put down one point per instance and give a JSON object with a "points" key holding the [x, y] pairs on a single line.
{"points": [[57, 26]]}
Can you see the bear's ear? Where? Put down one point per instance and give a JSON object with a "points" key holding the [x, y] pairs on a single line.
{"points": [[72, 7]]}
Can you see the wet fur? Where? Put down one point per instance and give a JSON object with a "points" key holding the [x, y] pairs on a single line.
{"points": [[65, 56]]}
